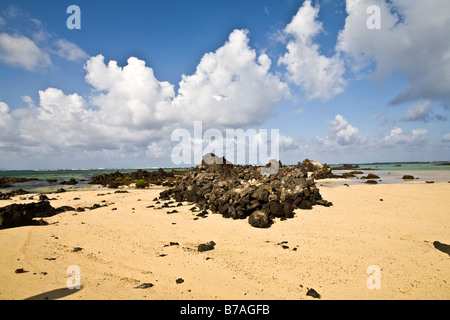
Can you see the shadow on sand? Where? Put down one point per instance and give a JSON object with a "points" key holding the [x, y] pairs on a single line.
{"points": [[442, 247], [54, 294]]}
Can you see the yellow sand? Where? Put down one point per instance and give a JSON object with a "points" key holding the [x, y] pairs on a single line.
{"points": [[124, 248]]}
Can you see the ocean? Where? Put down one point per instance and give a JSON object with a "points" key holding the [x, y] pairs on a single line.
{"points": [[388, 172]]}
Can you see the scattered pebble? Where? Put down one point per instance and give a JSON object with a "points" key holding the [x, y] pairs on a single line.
{"points": [[206, 246], [313, 293], [77, 249], [179, 280], [20, 270], [144, 286]]}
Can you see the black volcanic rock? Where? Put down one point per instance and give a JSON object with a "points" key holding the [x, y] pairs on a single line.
{"points": [[206, 246], [260, 219], [238, 191], [346, 167], [6, 182], [158, 177], [72, 181], [8, 195], [16, 215]]}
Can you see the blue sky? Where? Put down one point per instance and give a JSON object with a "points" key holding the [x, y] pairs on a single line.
{"points": [[111, 93]]}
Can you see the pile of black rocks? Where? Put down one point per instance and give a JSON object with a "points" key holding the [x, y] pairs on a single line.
{"points": [[241, 191]]}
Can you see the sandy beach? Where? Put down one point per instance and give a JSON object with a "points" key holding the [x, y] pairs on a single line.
{"points": [[124, 246]]}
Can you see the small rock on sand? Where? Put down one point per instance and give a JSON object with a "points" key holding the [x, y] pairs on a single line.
{"points": [[313, 293], [206, 246]]}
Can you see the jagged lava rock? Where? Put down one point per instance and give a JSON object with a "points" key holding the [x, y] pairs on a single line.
{"points": [[238, 191]]}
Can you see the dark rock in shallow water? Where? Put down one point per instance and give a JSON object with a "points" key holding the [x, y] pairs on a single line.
{"points": [[346, 167], [5, 182], [371, 176], [371, 182], [72, 181], [407, 177]]}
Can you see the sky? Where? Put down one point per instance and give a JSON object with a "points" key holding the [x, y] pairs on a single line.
{"points": [[355, 81]]}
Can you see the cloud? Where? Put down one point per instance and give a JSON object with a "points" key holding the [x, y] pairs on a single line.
{"points": [[5, 118], [318, 76], [22, 52], [231, 87], [69, 51], [343, 133], [446, 137], [130, 96], [413, 42], [397, 137], [129, 110], [25, 42], [418, 112], [422, 112]]}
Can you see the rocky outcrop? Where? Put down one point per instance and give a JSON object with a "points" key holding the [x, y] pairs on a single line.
{"points": [[318, 170], [241, 191], [6, 182], [72, 181], [16, 215], [118, 179], [8, 195], [347, 167]]}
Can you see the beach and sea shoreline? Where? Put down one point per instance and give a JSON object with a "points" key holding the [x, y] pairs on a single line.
{"points": [[131, 248]]}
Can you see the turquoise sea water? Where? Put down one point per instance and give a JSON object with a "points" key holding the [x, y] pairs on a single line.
{"points": [[393, 172], [388, 173]]}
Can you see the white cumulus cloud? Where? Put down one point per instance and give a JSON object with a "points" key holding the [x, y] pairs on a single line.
{"points": [[231, 87], [20, 51], [320, 77], [413, 42]]}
